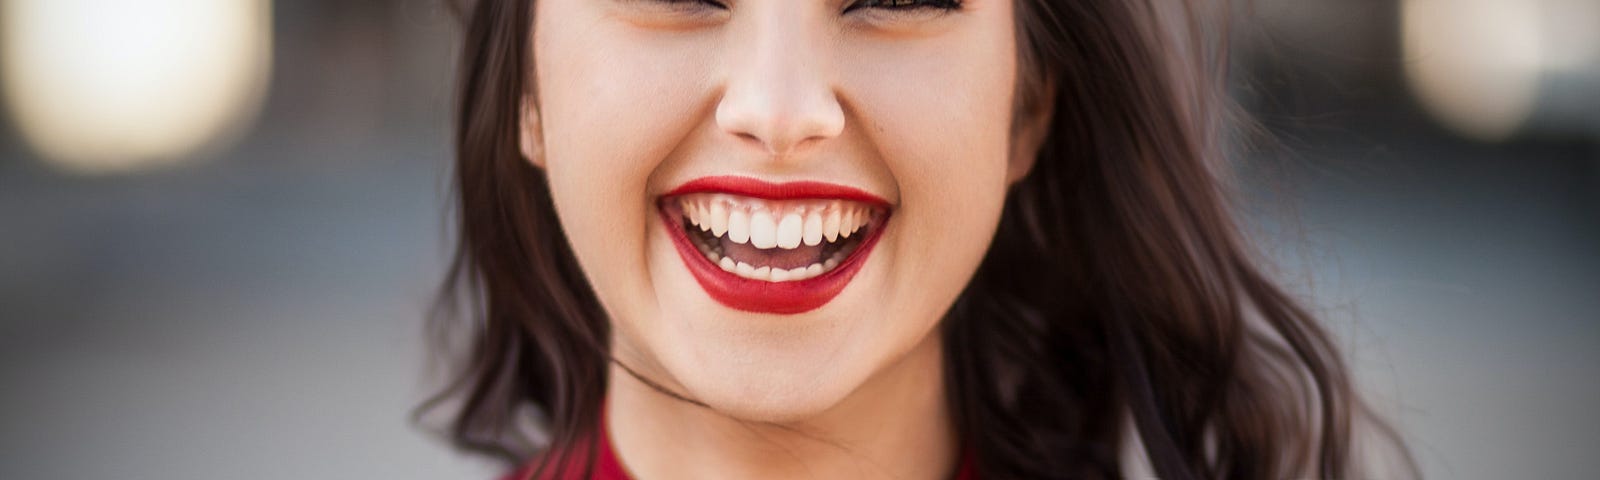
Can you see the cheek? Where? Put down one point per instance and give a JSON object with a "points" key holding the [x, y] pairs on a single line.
{"points": [[945, 135], [612, 108]]}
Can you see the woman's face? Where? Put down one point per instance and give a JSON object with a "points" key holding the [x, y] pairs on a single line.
{"points": [[774, 199]]}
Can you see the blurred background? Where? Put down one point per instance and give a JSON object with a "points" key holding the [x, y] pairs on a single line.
{"points": [[221, 222]]}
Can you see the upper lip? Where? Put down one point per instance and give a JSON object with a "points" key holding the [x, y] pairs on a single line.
{"points": [[757, 188]]}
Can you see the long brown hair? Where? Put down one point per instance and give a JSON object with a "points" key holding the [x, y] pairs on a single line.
{"points": [[1117, 285]]}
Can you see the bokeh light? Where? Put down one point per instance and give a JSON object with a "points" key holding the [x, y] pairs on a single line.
{"points": [[116, 85], [1474, 64]]}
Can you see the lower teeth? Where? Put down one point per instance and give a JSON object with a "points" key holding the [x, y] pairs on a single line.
{"points": [[775, 275], [713, 253]]}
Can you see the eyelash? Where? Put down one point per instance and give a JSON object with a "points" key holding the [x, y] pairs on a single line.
{"points": [[892, 5], [905, 4]]}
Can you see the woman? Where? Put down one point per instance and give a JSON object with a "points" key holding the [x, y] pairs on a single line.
{"points": [[867, 239]]}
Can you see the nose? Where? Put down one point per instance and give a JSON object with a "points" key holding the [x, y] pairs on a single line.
{"points": [[779, 93]]}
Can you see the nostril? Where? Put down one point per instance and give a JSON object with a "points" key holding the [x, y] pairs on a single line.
{"points": [[777, 118]]}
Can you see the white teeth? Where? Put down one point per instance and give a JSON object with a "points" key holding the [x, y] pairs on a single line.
{"points": [[775, 275], [830, 226], [780, 224], [773, 224], [789, 232], [813, 229], [739, 226], [689, 211], [719, 218], [763, 231], [787, 224], [768, 273]]}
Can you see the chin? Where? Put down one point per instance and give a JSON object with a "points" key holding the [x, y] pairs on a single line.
{"points": [[772, 376], [774, 402]]}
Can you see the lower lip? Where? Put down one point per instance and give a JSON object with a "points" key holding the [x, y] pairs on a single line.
{"points": [[783, 298]]}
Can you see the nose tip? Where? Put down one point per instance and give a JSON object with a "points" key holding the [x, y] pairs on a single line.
{"points": [[780, 117]]}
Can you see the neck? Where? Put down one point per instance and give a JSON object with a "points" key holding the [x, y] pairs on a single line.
{"points": [[896, 425]]}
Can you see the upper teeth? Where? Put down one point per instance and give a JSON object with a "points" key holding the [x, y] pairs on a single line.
{"points": [[775, 224]]}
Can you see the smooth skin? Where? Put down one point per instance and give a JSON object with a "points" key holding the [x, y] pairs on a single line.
{"points": [[635, 97]]}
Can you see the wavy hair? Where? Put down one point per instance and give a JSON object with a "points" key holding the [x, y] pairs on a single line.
{"points": [[1117, 286]]}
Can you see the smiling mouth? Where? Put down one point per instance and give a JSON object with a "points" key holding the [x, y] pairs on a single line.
{"points": [[772, 248], [774, 241]]}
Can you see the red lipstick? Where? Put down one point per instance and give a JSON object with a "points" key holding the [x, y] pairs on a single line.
{"points": [[755, 188], [740, 292]]}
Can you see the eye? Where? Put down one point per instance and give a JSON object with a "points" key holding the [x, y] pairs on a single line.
{"points": [[685, 4], [905, 5], [673, 14]]}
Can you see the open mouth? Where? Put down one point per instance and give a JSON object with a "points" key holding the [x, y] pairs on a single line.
{"points": [[772, 255]]}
